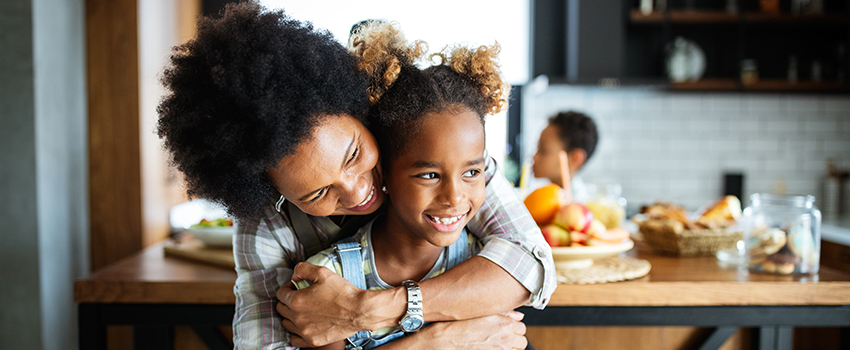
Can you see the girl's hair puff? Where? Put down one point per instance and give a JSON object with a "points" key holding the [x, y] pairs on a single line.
{"points": [[482, 66], [381, 51], [462, 79]]}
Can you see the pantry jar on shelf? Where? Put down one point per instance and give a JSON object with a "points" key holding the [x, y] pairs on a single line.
{"points": [[782, 234]]}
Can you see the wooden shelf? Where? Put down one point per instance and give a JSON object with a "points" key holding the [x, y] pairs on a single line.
{"points": [[785, 85], [707, 84], [723, 17], [759, 17], [679, 16], [731, 84]]}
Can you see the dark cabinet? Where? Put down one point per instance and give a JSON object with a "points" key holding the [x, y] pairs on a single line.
{"points": [[588, 41], [578, 41]]}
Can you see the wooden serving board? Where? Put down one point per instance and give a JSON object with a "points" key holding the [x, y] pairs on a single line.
{"points": [[193, 249]]}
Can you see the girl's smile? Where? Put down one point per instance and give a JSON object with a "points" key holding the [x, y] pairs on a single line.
{"points": [[436, 183]]}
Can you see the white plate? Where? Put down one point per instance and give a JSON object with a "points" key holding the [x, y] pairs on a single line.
{"points": [[219, 236], [582, 257]]}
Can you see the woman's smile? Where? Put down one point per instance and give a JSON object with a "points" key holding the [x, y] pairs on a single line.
{"points": [[335, 171], [367, 203]]}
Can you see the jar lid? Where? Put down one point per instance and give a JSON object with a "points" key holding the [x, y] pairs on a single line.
{"points": [[789, 200]]}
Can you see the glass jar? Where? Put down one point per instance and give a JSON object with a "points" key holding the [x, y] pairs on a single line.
{"points": [[607, 203], [782, 234]]}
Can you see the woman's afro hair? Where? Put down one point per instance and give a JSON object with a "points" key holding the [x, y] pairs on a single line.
{"points": [[244, 93], [401, 94]]}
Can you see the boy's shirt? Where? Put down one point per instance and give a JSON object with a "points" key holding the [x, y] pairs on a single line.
{"points": [[330, 259], [580, 191]]}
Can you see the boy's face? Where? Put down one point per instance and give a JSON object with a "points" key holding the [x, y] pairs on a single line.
{"points": [[546, 162], [437, 184]]}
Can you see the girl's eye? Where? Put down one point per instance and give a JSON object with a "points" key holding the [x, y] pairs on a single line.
{"points": [[427, 176], [318, 195], [472, 173]]}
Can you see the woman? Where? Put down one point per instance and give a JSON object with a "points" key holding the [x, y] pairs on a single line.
{"points": [[264, 115]]}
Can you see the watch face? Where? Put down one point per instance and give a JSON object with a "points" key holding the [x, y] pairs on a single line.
{"points": [[411, 323]]}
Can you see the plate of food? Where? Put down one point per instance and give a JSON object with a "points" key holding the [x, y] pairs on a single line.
{"points": [[582, 256], [576, 237], [214, 233]]}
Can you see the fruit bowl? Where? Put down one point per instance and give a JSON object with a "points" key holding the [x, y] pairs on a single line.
{"points": [[214, 236], [582, 257]]}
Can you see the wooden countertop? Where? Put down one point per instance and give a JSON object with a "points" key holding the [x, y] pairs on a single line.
{"points": [[703, 281], [151, 277]]}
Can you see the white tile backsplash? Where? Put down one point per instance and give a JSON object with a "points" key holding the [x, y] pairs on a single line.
{"points": [[677, 146]]}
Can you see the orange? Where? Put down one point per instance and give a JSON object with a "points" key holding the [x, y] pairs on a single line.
{"points": [[543, 203]]}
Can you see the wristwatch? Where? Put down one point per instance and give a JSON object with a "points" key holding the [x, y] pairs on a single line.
{"points": [[413, 320]]}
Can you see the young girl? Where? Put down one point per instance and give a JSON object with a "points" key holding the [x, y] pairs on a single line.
{"points": [[431, 124]]}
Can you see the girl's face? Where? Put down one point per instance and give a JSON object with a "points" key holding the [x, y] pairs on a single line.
{"points": [[334, 172], [437, 184]]}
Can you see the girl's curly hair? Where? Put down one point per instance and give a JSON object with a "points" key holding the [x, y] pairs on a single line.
{"points": [[381, 51], [401, 93], [244, 93]]}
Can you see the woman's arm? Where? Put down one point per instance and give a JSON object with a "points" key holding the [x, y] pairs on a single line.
{"points": [[514, 268], [264, 251]]}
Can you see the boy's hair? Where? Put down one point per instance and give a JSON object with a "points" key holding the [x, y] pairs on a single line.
{"points": [[244, 93], [576, 130], [401, 94]]}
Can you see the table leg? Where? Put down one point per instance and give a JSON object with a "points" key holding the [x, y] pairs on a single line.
{"points": [[212, 337], [92, 330], [153, 337], [718, 336], [776, 338]]}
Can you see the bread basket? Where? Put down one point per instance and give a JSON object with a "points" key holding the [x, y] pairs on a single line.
{"points": [[669, 237]]}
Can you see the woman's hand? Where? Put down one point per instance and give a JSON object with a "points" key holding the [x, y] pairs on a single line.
{"points": [[504, 331], [332, 309]]}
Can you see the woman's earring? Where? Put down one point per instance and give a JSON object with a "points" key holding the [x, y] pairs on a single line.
{"points": [[279, 204], [384, 188]]}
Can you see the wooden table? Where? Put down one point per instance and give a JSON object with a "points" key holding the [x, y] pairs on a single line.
{"points": [[154, 293]]}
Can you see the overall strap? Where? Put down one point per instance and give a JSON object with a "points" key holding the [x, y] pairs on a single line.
{"points": [[352, 270], [457, 252], [303, 229]]}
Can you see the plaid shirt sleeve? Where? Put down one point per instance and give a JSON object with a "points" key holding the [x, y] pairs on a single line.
{"points": [[265, 251], [511, 238]]}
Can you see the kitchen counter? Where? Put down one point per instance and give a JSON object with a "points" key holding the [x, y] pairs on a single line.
{"points": [[154, 293], [836, 230]]}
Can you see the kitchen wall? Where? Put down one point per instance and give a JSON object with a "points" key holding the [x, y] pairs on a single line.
{"points": [[676, 146], [43, 177]]}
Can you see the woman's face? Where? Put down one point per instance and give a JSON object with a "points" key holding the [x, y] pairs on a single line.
{"points": [[334, 172], [437, 183]]}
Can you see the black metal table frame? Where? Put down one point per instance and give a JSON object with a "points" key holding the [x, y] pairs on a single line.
{"points": [[153, 323]]}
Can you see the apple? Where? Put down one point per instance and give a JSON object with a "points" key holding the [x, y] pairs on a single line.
{"points": [[555, 235], [578, 237], [574, 217], [614, 235], [596, 228]]}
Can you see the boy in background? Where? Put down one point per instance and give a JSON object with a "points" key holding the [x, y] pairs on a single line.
{"points": [[574, 133]]}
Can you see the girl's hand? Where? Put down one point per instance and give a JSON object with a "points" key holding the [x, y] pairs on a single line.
{"points": [[503, 331], [329, 310]]}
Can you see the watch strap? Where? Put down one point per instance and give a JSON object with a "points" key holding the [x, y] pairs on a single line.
{"points": [[414, 302]]}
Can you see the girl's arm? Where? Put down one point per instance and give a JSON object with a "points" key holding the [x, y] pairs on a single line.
{"points": [[514, 268]]}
